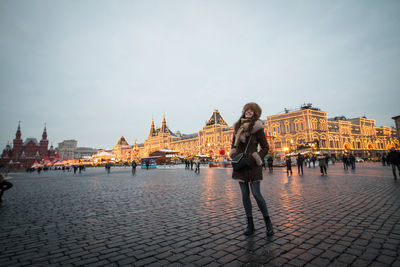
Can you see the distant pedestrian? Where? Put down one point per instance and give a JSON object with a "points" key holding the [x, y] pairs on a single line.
{"points": [[108, 167], [270, 162], [133, 166], [289, 166], [4, 185], [345, 162], [300, 160], [384, 159], [322, 164], [191, 164], [394, 158], [186, 164], [248, 135], [307, 161], [147, 164], [75, 168], [313, 159], [197, 163], [352, 161]]}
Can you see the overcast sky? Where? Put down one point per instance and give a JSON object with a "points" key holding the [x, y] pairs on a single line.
{"points": [[97, 70]]}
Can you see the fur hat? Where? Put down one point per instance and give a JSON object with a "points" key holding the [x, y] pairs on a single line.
{"points": [[254, 107]]}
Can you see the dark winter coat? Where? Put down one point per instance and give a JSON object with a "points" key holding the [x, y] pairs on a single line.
{"points": [[394, 157], [254, 173]]}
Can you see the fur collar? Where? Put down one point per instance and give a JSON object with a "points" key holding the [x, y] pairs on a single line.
{"points": [[258, 125]]}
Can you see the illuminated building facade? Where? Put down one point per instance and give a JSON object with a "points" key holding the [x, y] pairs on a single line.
{"points": [[309, 125], [125, 152], [397, 122], [212, 140]]}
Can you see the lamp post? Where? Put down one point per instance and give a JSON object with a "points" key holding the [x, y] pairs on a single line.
{"points": [[292, 147]]}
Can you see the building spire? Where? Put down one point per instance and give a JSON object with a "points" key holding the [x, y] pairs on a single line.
{"points": [[164, 128], [44, 135], [152, 128], [18, 134]]}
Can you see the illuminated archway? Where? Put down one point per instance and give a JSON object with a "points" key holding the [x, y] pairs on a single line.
{"points": [[301, 139]]}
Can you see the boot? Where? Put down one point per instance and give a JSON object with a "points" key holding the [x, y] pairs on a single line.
{"points": [[250, 226], [268, 224]]}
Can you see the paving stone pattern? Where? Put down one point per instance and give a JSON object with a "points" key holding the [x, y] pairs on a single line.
{"points": [[173, 217]]}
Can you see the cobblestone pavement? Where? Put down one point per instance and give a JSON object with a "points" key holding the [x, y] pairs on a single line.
{"points": [[173, 217]]}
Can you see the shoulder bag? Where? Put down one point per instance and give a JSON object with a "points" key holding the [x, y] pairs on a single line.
{"points": [[241, 161]]}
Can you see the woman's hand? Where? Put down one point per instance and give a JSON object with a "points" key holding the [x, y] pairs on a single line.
{"points": [[257, 158]]}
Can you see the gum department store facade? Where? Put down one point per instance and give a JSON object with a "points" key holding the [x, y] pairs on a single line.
{"points": [[286, 131], [334, 136]]}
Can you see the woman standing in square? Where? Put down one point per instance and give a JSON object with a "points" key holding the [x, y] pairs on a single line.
{"points": [[249, 130]]}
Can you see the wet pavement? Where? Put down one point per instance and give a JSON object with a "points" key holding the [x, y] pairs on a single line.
{"points": [[174, 217]]}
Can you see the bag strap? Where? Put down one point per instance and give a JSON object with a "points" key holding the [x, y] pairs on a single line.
{"points": [[247, 144]]}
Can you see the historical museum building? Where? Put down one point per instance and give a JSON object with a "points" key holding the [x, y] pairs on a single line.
{"points": [[309, 126], [24, 154]]}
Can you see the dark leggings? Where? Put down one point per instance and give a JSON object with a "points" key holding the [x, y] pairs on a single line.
{"points": [[323, 169], [394, 169], [255, 190]]}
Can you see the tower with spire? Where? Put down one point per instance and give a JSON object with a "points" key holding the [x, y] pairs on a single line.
{"points": [[44, 143], [164, 128], [17, 144], [23, 154], [152, 130]]}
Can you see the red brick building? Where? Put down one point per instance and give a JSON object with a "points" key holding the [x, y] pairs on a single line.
{"points": [[24, 154]]}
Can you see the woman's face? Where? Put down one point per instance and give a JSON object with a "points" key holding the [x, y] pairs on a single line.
{"points": [[249, 114]]}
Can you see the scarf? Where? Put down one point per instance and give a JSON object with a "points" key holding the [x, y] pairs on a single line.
{"points": [[242, 132]]}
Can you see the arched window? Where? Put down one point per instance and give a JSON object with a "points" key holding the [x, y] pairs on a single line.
{"points": [[314, 124]]}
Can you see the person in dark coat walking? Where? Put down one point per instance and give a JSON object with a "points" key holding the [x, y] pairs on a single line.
{"points": [[345, 162], [250, 130], [352, 161], [394, 159], [322, 164], [133, 166], [300, 160], [313, 159], [108, 167], [289, 166], [384, 159], [270, 162]]}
